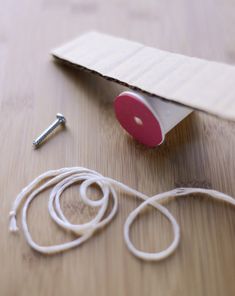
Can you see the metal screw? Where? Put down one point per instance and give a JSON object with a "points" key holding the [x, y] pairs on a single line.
{"points": [[59, 121]]}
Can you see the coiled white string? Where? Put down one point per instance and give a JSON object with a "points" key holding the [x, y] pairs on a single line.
{"points": [[65, 177]]}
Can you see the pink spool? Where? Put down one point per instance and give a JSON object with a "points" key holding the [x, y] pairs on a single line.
{"points": [[148, 119]]}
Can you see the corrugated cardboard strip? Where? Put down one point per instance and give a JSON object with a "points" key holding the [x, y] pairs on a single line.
{"points": [[197, 83]]}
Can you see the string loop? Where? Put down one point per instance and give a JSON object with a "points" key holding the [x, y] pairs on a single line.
{"points": [[65, 177]]}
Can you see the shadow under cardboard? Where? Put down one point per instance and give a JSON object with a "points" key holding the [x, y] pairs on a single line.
{"points": [[92, 84]]}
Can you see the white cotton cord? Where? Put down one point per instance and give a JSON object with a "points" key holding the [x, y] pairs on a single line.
{"points": [[65, 177]]}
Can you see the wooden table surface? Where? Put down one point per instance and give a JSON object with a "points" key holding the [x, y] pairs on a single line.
{"points": [[199, 152]]}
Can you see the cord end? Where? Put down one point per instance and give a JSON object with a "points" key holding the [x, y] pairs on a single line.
{"points": [[12, 224]]}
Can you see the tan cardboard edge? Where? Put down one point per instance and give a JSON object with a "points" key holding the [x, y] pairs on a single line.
{"points": [[79, 67]]}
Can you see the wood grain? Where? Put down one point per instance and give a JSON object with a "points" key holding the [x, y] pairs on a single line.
{"points": [[199, 152]]}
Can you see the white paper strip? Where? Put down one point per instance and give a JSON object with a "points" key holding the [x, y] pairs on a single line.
{"points": [[197, 83]]}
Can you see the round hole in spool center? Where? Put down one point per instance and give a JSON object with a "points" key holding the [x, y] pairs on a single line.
{"points": [[138, 120]]}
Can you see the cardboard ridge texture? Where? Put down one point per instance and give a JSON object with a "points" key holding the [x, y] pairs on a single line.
{"points": [[197, 83]]}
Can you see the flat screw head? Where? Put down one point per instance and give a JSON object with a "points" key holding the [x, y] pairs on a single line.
{"points": [[60, 117]]}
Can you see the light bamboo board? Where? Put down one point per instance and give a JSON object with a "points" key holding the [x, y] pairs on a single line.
{"points": [[199, 152]]}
